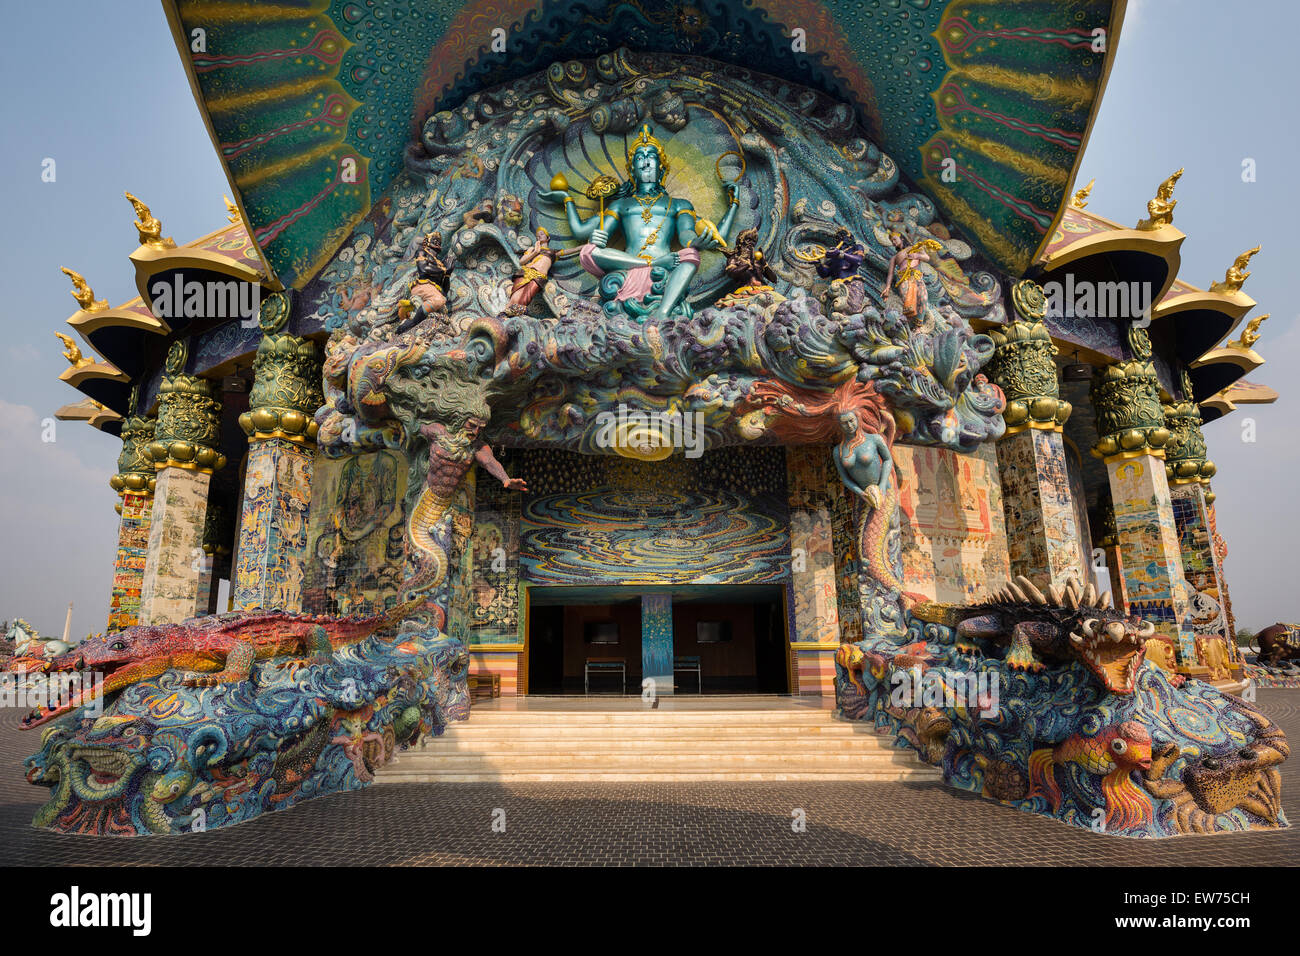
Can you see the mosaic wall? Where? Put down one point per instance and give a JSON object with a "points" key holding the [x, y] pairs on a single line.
{"points": [[169, 591], [1200, 563], [657, 641], [954, 536], [460, 570], [844, 545], [270, 563], [355, 546], [718, 519], [493, 608], [1041, 514], [1151, 557], [1079, 496], [812, 598], [128, 570]]}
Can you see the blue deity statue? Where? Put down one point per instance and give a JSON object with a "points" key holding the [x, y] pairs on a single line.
{"points": [[647, 277]]}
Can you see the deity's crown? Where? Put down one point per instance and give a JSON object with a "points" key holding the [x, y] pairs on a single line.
{"points": [[645, 139]]}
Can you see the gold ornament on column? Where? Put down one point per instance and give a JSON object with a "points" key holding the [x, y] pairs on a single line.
{"points": [[1126, 399], [188, 430], [1023, 366], [287, 388]]}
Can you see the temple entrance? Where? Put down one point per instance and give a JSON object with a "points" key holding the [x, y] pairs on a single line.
{"points": [[699, 640]]}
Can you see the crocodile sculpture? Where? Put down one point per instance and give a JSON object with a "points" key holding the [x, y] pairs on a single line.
{"points": [[1070, 622], [219, 649]]}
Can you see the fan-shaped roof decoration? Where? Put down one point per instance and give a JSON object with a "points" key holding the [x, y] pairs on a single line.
{"points": [[1098, 247], [117, 333], [121, 334], [93, 414], [1240, 392], [984, 104]]}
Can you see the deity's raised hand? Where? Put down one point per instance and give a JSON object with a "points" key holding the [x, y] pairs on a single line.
{"points": [[553, 195]]}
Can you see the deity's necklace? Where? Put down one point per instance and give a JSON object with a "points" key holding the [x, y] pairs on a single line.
{"points": [[646, 204]]}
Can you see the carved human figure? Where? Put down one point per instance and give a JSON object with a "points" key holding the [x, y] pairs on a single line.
{"points": [[650, 221], [746, 263], [429, 262], [864, 460], [450, 456], [535, 265], [843, 259], [905, 272]]}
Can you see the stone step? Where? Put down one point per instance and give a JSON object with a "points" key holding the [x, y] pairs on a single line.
{"points": [[627, 743], [661, 718], [659, 743], [836, 731], [688, 760], [919, 774]]}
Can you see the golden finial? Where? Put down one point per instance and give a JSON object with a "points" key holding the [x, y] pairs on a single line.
{"points": [[1236, 274], [232, 212], [1080, 198], [72, 352], [1161, 209], [1250, 335], [147, 225], [83, 293]]}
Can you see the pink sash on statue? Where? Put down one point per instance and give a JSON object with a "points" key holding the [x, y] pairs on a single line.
{"points": [[636, 284]]}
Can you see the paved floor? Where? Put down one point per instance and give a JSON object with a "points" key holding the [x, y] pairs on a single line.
{"points": [[870, 823]]}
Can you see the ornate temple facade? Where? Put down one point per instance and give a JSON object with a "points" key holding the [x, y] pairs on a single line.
{"points": [[619, 343]]}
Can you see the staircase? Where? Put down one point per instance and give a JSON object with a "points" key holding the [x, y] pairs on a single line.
{"points": [[622, 741]]}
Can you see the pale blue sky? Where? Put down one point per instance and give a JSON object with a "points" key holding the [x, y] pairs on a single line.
{"points": [[99, 88]]}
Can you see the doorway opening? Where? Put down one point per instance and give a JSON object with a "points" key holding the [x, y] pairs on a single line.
{"points": [[726, 639]]}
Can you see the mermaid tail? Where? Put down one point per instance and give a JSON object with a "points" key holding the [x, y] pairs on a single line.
{"points": [[429, 510], [873, 532]]}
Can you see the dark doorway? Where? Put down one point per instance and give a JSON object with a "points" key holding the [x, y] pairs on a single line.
{"points": [[546, 650], [741, 647], [727, 639]]}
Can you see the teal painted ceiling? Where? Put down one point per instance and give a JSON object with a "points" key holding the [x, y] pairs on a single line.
{"points": [[984, 104]]}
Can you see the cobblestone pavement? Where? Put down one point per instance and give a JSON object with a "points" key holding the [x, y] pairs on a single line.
{"points": [[621, 824]]}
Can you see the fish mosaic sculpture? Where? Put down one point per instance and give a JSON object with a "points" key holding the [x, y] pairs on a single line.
{"points": [[168, 757], [1045, 702]]}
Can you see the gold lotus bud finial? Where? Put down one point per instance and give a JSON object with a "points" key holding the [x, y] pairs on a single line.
{"points": [[72, 352], [83, 293], [645, 139], [1161, 209], [1080, 198], [1236, 274], [1249, 335], [232, 211], [147, 225]]}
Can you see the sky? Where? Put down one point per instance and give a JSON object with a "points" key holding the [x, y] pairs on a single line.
{"points": [[106, 98]]}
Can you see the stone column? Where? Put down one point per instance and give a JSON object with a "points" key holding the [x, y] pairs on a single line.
{"points": [[1132, 438], [657, 642], [184, 452], [1189, 471], [1042, 526], [281, 431], [812, 601], [1108, 541], [135, 482]]}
